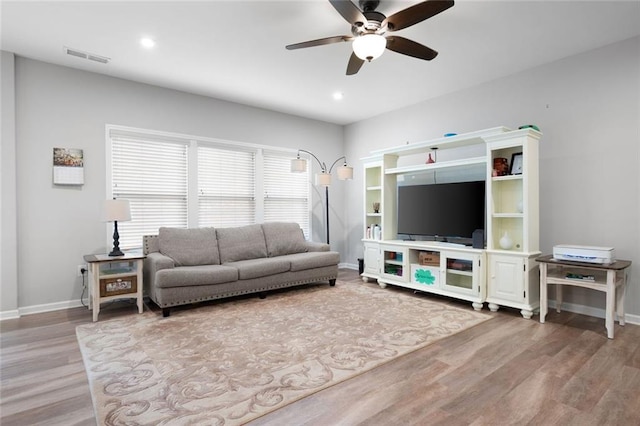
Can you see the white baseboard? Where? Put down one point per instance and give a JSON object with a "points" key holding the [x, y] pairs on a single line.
{"points": [[591, 311], [38, 309], [50, 307], [348, 266], [5, 315]]}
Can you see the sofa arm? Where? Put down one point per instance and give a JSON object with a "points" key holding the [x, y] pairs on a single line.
{"points": [[153, 263], [313, 246]]}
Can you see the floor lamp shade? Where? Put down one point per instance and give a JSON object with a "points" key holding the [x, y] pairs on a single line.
{"points": [[298, 165], [117, 210], [323, 179], [345, 172]]}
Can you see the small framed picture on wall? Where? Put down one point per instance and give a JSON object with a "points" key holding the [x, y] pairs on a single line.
{"points": [[516, 164]]}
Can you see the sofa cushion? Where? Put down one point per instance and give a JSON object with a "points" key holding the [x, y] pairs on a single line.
{"points": [[244, 242], [318, 259], [189, 247], [256, 268], [283, 238], [184, 276]]}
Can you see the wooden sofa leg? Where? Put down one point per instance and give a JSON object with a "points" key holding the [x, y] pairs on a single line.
{"points": [[262, 295], [332, 283], [166, 312]]}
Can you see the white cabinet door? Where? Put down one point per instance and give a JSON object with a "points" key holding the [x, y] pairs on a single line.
{"points": [[460, 273], [371, 259], [394, 264], [506, 278]]}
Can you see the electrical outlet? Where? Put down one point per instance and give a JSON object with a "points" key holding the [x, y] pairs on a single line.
{"points": [[80, 268]]}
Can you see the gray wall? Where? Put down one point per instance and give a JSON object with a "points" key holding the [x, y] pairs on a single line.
{"points": [[61, 107], [588, 108], [8, 234]]}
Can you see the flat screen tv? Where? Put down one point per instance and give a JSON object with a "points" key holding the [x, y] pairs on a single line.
{"points": [[444, 211]]}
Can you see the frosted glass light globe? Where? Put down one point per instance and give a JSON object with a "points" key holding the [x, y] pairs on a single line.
{"points": [[369, 46]]}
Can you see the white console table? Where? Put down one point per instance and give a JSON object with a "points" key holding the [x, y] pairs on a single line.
{"points": [[609, 278]]}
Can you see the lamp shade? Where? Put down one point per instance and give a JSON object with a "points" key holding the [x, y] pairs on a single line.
{"points": [[298, 165], [323, 179], [369, 46], [345, 172], [117, 210]]}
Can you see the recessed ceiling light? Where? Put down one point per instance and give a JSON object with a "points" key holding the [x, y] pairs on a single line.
{"points": [[147, 42], [338, 96]]}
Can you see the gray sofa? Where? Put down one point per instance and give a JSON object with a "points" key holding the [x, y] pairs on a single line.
{"points": [[184, 266]]}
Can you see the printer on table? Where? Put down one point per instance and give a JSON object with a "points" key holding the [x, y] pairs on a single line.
{"points": [[589, 254]]}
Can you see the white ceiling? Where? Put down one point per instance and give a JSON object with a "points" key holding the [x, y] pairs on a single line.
{"points": [[234, 50]]}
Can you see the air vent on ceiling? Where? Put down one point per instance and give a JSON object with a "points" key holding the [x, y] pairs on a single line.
{"points": [[86, 55]]}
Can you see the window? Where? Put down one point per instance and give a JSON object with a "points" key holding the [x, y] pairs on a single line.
{"points": [[152, 175], [184, 182], [226, 187]]}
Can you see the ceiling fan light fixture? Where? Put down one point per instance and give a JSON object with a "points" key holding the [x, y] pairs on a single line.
{"points": [[369, 46]]}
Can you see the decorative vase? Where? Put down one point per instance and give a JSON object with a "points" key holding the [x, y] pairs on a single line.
{"points": [[430, 160], [520, 207], [506, 242]]}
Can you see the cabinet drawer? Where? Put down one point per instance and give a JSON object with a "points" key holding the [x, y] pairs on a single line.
{"points": [[115, 286]]}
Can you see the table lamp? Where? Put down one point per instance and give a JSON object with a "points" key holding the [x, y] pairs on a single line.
{"points": [[117, 210]]}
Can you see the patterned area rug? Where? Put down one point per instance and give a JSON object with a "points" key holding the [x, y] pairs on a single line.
{"points": [[231, 362]]}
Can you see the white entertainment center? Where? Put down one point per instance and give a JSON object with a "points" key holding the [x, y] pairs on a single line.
{"points": [[502, 272]]}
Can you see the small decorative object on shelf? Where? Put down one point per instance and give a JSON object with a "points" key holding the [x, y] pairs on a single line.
{"points": [[501, 166], [430, 160], [376, 207], [516, 164], [377, 234], [506, 242], [520, 206], [529, 126]]}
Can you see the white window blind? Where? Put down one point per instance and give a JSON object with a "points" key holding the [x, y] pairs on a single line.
{"points": [[226, 187], [152, 175], [286, 194]]}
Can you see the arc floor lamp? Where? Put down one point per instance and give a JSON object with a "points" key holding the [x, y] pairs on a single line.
{"points": [[323, 178]]}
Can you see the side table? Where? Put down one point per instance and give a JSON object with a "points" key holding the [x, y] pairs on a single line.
{"points": [[114, 277], [609, 278]]}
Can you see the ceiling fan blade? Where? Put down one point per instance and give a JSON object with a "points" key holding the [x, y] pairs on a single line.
{"points": [[410, 48], [319, 42], [354, 65], [348, 11], [416, 13]]}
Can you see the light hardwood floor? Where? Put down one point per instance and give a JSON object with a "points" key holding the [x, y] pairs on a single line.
{"points": [[507, 370]]}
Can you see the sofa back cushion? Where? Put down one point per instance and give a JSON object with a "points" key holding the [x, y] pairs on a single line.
{"points": [[283, 238], [241, 243], [189, 247]]}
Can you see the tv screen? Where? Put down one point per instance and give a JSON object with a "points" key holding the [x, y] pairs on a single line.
{"points": [[448, 210]]}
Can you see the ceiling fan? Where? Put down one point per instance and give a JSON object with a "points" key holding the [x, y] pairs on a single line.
{"points": [[368, 29]]}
